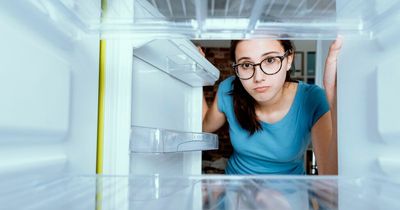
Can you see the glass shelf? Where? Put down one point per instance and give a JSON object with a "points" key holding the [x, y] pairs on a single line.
{"points": [[199, 192], [156, 140]]}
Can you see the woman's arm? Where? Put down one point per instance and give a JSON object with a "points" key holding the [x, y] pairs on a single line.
{"points": [[325, 145], [213, 119], [324, 132], [330, 71], [205, 108]]}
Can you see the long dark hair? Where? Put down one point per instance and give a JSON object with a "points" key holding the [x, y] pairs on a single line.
{"points": [[243, 102]]}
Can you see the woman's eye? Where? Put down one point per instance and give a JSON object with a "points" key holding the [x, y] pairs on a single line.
{"points": [[246, 65], [270, 60]]}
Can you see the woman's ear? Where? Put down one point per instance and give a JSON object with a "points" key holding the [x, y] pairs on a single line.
{"points": [[290, 61]]}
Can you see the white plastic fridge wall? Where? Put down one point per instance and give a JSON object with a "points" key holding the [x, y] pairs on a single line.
{"points": [[48, 91], [368, 113], [368, 106]]}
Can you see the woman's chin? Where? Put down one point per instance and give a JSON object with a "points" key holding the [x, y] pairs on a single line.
{"points": [[262, 98]]}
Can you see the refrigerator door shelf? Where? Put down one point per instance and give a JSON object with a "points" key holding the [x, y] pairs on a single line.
{"points": [[155, 140], [180, 59], [192, 74]]}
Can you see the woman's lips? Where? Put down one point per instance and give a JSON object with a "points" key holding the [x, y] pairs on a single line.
{"points": [[261, 89]]}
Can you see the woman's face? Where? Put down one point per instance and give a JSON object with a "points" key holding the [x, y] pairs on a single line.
{"points": [[262, 87]]}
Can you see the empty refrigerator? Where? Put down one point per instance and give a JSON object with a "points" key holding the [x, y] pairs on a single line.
{"points": [[50, 79]]}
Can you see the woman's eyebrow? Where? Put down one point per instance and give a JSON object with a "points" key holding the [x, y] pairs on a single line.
{"points": [[248, 58], [243, 58], [267, 53]]}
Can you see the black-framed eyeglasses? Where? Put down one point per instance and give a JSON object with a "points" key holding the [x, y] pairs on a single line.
{"points": [[270, 65]]}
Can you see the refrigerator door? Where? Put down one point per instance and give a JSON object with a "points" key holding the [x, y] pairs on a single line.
{"points": [[48, 91], [159, 82]]}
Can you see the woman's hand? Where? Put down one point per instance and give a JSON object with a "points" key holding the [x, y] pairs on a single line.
{"points": [[330, 70], [200, 49]]}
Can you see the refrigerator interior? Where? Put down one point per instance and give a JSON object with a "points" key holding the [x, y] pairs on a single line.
{"points": [[50, 79]]}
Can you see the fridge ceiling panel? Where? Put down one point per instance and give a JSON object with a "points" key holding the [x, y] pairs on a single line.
{"points": [[218, 19], [288, 19]]}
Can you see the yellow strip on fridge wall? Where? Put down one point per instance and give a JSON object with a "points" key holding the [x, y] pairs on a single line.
{"points": [[100, 123]]}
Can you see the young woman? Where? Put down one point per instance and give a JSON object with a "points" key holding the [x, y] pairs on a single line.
{"points": [[272, 117]]}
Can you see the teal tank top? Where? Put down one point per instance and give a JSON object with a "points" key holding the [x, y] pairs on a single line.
{"points": [[279, 147]]}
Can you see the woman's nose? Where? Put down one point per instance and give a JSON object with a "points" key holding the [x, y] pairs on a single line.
{"points": [[259, 75]]}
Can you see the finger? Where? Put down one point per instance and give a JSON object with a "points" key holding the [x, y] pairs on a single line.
{"points": [[334, 50], [335, 47], [337, 44], [201, 50]]}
